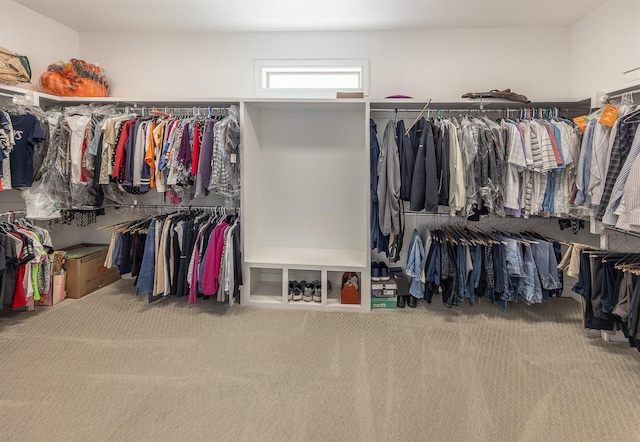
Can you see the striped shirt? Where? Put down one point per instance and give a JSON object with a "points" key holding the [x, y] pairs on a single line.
{"points": [[618, 188], [619, 153]]}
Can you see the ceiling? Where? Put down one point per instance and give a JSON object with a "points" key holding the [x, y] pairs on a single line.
{"points": [[307, 15]]}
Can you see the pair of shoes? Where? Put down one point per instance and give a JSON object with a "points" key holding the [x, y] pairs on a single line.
{"points": [[307, 291], [313, 291], [407, 300], [296, 290], [379, 271]]}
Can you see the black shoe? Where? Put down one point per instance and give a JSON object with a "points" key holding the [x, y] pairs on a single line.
{"points": [[401, 301], [413, 302]]}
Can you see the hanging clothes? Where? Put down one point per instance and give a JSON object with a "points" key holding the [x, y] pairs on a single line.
{"points": [[476, 166], [191, 254], [25, 264], [465, 266]]}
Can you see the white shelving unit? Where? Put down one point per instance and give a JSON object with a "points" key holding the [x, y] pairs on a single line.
{"points": [[305, 199]]}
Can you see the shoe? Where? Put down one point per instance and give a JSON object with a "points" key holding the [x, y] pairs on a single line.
{"points": [[413, 302], [309, 290], [298, 290], [317, 291], [384, 271], [290, 294], [375, 271], [401, 301]]}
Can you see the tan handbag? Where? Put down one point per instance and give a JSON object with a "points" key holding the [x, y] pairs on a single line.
{"points": [[14, 68], [350, 293]]}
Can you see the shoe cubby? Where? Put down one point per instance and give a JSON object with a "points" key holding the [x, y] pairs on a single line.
{"points": [[306, 298], [336, 278], [265, 285]]}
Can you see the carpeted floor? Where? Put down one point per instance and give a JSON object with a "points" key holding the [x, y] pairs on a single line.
{"points": [[112, 367]]}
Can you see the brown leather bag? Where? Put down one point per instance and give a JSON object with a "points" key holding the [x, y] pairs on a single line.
{"points": [[350, 293]]}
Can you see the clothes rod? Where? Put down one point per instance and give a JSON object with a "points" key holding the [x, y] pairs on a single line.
{"points": [[472, 110], [166, 207], [632, 92], [624, 232], [4, 94]]}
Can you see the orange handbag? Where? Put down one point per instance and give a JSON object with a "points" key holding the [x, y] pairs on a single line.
{"points": [[350, 293]]}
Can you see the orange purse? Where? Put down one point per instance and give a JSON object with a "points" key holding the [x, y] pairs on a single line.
{"points": [[350, 293]]}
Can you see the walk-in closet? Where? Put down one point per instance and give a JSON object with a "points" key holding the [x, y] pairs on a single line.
{"points": [[319, 221]]}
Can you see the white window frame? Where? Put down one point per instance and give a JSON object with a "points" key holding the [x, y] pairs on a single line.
{"points": [[264, 67]]}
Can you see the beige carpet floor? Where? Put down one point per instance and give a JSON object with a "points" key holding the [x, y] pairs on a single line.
{"points": [[112, 367]]}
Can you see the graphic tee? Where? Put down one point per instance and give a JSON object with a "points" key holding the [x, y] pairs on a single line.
{"points": [[27, 133]]}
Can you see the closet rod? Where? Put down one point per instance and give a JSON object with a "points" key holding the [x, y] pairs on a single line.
{"points": [[13, 214], [202, 111], [624, 232], [468, 110], [167, 207], [633, 92], [4, 94]]}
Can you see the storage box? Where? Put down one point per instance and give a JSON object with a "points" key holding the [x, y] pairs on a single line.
{"points": [[384, 303], [85, 268], [56, 293]]}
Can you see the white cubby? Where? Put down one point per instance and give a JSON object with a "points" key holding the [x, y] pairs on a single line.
{"points": [[265, 286], [305, 199]]}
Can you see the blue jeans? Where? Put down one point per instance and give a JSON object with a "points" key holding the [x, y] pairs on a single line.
{"points": [[547, 265], [117, 251], [515, 265], [148, 266], [530, 288]]}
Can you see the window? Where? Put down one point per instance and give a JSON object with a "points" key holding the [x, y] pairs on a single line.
{"points": [[310, 78]]}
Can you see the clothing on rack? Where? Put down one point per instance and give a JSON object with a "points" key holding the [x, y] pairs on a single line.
{"points": [[98, 150], [466, 265], [191, 254], [520, 167], [608, 284], [25, 266], [22, 146], [607, 183]]}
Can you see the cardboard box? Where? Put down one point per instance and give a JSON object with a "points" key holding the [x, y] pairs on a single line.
{"points": [[389, 293], [56, 293], [85, 268], [384, 303], [377, 286]]}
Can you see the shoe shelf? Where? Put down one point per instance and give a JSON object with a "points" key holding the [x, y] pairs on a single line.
{"points": [[269, 286]]}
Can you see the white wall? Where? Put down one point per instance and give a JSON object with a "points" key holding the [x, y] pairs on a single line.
{"points": [[442, 64], [605, 44], [41, 39]]}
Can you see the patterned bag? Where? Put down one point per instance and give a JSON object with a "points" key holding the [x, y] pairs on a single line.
{"points": [[14, 68]]}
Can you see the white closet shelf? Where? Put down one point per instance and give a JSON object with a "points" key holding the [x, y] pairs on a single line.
{"points": [[467, 103], [300, 258], [47, 99]]}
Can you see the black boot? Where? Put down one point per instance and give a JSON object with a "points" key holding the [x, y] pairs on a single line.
{"points": [[401, 301], [413, 302]]}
